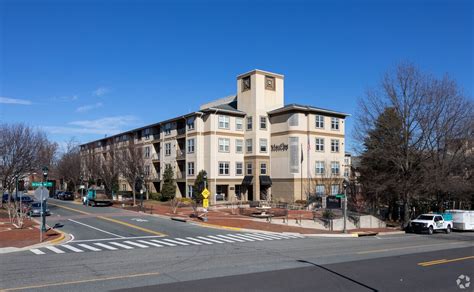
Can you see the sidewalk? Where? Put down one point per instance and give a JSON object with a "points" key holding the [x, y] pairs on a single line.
{"points": [[224, 218]]}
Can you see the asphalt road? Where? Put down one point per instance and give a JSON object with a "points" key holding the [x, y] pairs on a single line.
{"points": [[380, 263]]}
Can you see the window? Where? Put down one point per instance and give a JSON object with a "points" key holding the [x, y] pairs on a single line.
{"points": [[248, 144], [335, 167], [238, 168], [223, 168], [190, 168], [270, 82], [346, 172], [147, 170], [249, 123], [190, 123], [168, 149], [190, 191], [263, 145], [346, 161], [246, 83], [224, 122], [263, 123], [190, 145], [146, 133], [147, 152], [334, 145], [167, 129], [319, 142], [239, 146], [320, 190], [239, 124], [124, 187], [320, 122], [263, 168], [293, 120], [249, 168], [294, 154], [319, 167], [224, 145], [334, 189], [334, 124]]}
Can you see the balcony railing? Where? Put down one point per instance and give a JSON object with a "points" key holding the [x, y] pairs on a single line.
{"points": [[181, 131], [153, 177], [180, 155], [180, 174], [155, 156]]}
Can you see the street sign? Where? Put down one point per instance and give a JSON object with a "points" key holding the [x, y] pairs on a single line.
{"points": [[41, 193], [82, 187], [340, 196], [205, 193], [205, 203], [332, 202], [42, 184]]}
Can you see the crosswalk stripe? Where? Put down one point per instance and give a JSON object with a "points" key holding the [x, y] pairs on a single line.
{"points": [[223, 239], [150, 243], [121, 245], [177, 242], [136, 244], [230, 238], [162, 242], [105, 246], [286, 236], [263, 236], [251, 237], [72, 248], [240, 237], [210, 239], [188, 241], [89, 247], [199, 240], [56, 250], [36, 251]]}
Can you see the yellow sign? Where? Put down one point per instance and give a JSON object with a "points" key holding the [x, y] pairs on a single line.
{"points": [[205, 193], [205, 203]]}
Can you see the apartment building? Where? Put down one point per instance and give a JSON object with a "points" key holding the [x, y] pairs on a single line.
{"points": [[252, 145]]}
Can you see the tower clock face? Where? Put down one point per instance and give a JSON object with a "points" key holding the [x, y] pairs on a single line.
{"points": [[269, 83], [246, 83]]}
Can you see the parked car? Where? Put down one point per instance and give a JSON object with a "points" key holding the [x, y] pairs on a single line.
{"points": [[432, 223], [66, 196], [24, 199], [35, 209], [56, 194], [5, 198]]}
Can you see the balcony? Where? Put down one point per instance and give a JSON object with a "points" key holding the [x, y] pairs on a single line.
{"points": [[154, 177], [155, 157], [181, 131], [180, 155], [181, 174]]}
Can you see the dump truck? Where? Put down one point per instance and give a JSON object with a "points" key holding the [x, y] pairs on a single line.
{"points": [[97, 198]]}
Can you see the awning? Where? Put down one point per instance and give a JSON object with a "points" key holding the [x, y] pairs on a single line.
{"points": [[247, 180], [265, 180]]}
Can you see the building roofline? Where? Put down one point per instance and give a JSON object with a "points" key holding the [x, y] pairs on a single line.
{"points": [[305, 108], [262, 72]]}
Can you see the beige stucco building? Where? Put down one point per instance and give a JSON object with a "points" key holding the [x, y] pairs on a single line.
{"points": [[252, 145]]}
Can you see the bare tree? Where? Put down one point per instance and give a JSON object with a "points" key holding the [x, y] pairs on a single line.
{"points": [[131, 164], [108, 170], [68, 166]]}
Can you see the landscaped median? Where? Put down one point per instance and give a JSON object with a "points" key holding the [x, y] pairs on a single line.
{"points": [[232, 218], [12, 238]]}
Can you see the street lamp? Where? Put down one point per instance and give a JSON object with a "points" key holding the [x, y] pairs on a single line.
{"points": [[142, 177], [43, 201], [345, 185], [82, 187]]}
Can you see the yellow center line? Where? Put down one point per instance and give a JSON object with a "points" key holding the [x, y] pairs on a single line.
{"points": [[444, 261], [113, 220], [81, 281], [405, 247]]}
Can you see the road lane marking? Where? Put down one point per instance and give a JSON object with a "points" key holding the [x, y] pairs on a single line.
{"points": [[188, 241], [122, 245], [223, 239], [105, 246], [265, 236], [177, 242], [199, 240], [405, 247], [210, 239], [108, 239], [150, 243], [444, 261], [36, 251], [70, 247], [230, 238], [251, 237], [132, 226], [112, 220], [95, 228], [162, 242], [54, 249], [136, 244], [89, 247], [81, 281], [240, 237]]}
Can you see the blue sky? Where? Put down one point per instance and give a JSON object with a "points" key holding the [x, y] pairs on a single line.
{"points": [[85, 69]]}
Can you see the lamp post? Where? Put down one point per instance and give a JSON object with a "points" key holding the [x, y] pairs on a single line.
{"points": [[345, 185], [142, 177], [16, 192], [82, 188], [43, 201]]}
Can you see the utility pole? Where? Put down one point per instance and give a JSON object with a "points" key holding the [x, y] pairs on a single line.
{"points": [[345, 184]]}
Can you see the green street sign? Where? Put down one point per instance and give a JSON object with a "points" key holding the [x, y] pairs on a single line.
{"points": [[340, 196], [42, 184]]}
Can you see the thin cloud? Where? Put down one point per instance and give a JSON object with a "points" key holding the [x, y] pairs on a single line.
{"points": [[103, 126], [101, 91], [88, 107], [7, 100], [66, 98]]}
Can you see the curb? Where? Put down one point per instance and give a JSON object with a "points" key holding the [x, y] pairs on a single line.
{"points": [[391, 233], [330, 235]]}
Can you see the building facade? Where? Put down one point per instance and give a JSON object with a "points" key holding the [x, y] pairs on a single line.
{"points": [[252, 146]]}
